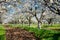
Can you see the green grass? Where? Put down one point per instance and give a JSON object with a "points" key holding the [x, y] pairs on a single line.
{"points": [[50, 25], [2, 37], [2, 33], [2, 30], [53, 26], [16, 25]]}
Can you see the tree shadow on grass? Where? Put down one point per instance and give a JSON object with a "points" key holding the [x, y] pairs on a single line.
{"points": [[56, 36]]}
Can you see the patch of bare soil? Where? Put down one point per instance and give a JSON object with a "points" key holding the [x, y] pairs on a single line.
{"points": [[19, 34]]}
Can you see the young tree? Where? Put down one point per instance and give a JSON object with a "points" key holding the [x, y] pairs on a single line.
{"points": [[22, 18], [28, 17], [36, 12]]}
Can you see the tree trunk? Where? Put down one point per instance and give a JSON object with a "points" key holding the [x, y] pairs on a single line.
{"points": [[39, 25], [0, 21], [22, 23], [29, 22]]}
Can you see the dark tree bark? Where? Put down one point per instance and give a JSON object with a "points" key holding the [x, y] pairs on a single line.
{"points": [[22, 22], [29, 21], [50, 21]]}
